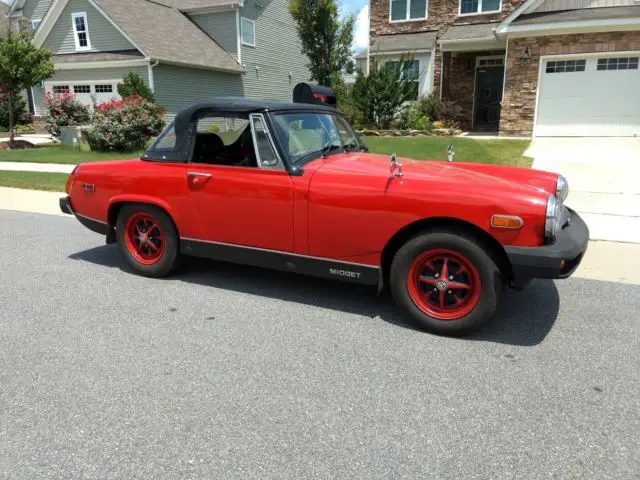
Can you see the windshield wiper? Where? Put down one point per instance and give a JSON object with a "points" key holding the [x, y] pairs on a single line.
{"points": [[328, 148], [353, 147]]}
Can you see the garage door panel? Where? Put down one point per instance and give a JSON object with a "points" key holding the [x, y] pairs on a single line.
{"points": [[587, 103]]}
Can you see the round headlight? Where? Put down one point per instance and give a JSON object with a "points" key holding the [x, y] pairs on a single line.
{"points": [[551, 217], [562, 188]]}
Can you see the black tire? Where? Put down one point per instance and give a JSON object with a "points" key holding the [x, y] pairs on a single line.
{"points": [[169, 259], [491, 281]]}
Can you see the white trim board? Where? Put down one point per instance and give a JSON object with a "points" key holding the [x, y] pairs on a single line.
{"points": [[102, 64]]}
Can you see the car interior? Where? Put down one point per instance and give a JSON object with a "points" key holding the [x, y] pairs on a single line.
{"points": [[210, 148]]}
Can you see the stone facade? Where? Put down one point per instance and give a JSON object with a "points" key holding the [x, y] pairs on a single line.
{"points": [[521, 86], [459, 81], [441, 15]]}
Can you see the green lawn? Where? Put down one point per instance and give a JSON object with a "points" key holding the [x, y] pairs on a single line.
{"points": [[505, 152], [51, 182], [61, 154]]}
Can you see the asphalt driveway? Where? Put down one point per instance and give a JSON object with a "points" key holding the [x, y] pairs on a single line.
{"points": [[604, 177], [232, 372]]}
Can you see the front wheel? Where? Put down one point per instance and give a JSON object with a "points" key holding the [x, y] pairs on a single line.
{"points": [[446, 282], [147, 240]]}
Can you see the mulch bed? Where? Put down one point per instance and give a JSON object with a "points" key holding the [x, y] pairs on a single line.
{"points": [[16, 145]]}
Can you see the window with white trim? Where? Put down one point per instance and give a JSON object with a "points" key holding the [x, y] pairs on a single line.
{"points": [[618, 63], [82, 89], [81, 31], [406, 10], [104, 88], [33, 25], [562, 66], [61, 89], [476, 7], [411, 71], [248, 32], [490, 62]]}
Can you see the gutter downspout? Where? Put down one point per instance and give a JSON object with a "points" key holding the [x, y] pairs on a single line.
{"points": [[151, 81]]}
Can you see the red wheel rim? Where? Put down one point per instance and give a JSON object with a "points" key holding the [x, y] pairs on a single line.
{"points": [[144, 238], [443, 284]]}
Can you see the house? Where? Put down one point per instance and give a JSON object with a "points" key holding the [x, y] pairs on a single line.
{"points": [[521, 67], [185, 50]]}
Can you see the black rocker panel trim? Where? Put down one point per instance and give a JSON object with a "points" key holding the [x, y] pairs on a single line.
{"points": [[286, 262], [93, 225]]}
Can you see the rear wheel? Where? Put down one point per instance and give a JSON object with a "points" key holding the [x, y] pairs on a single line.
{"points": [[147, 240], [446, 282]]}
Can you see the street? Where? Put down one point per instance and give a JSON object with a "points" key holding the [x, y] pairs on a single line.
{"points": [[225, 371]]}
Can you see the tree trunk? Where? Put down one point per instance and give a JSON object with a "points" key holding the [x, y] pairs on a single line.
{"points": [[11, 132]]}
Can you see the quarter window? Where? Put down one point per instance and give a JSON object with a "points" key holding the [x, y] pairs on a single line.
{"points": [[82, 89], [81, 31], [562, 66], [248, 31], [622, 63], [404, 10], [474, 7]]}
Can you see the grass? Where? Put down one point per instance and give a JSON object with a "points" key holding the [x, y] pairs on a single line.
{"points": [[50, 182], [61, 154], [498, 152]]}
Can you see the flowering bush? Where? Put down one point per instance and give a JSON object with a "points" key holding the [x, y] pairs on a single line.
{"points": [[126, 124], [63, 110]]}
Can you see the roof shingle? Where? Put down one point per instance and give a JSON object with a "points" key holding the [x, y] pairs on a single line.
{"points": [[165, 34]]}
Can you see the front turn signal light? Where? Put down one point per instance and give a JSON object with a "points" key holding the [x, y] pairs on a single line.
{"points": [[510, 222]]}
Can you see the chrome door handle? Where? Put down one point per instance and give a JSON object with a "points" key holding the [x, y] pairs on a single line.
{"points": [[198, 174]]}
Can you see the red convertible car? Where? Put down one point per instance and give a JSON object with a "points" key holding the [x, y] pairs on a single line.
{"points": [[291, 186]]}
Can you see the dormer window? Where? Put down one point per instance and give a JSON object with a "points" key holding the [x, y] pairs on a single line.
{"points": [[81, 31], [477, 7], [408, 10]]}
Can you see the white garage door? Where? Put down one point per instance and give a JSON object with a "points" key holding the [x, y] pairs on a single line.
{"points": [[589, 96], [102, 91]]}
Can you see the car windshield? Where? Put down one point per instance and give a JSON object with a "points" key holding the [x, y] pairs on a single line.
{"points": [[309, 135]]}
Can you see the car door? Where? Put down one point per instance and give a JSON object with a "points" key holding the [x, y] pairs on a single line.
{"points": [[239, 204]]}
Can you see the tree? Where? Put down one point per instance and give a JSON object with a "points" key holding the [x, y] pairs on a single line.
{"points": [[380, 95], [326, 40], [132, 84], [22, 66]]}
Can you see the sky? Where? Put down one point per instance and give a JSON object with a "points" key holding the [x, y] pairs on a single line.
{"points": [[361, 30]]}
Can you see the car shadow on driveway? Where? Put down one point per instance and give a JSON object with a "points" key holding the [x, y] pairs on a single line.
{"points": [[524, 318]]}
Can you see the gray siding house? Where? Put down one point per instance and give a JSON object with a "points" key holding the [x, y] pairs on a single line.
{"points": [[185, 50]]}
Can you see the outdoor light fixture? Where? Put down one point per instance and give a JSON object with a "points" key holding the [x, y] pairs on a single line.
{"points": [[525, 56]]}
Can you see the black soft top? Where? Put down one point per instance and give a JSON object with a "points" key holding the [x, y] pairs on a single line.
{"points": [[240, 105]]}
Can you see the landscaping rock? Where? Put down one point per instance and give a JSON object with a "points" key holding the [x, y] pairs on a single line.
{"points": [[17, 145]]}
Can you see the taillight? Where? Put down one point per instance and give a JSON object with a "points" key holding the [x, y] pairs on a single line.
{"points": [[69, 184]]}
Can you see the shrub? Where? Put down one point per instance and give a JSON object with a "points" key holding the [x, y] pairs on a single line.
{"points": [[436, 108], [380, 95], [23, 129], [20, 114], [63, 110], [213, 128], [133, 84], [125, 124], [411, 117]]}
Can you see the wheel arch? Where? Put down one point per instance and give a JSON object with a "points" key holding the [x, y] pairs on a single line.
{"points": [[115, 206], [425, 225]]}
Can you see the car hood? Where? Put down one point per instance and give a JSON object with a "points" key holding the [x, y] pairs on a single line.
{"points": [[449, 172]]}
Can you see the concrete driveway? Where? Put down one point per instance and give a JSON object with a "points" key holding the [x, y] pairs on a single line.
{"points": [[604, 178]]}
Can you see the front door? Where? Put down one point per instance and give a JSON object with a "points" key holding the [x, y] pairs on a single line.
{"points": [[239, 187], [489, 82]]}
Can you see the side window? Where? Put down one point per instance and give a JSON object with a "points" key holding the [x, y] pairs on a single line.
{"points": [[267, 156], [347, 135], [224, 140]]}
